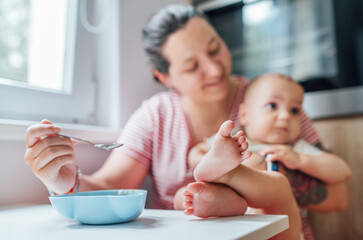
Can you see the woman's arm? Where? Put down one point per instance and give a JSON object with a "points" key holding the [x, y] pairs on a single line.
{"points": [[312, 194], [119, 171], [336, 200], [269, 192], [309, 192], [52, 160]]}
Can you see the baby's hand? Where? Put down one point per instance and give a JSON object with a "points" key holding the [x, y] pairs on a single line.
{"points": [[196, 153], [284, 154]]}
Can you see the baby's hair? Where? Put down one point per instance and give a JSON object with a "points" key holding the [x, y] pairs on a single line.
{"points": [[261, 77]]}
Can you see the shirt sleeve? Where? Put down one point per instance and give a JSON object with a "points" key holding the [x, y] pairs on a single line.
{"points": [[137, 135], [308, 131], [303, 147]]}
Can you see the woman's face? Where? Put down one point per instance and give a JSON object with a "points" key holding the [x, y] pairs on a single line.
{"points": [[199, 62]]}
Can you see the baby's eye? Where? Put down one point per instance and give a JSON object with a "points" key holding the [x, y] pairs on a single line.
{"points": [[295, 111], [272, 105]]}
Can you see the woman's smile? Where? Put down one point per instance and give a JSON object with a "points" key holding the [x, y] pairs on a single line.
{"points": [[216, 83]]}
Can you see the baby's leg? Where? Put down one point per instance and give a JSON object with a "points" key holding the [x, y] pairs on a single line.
{"points": [[224, 155], [212, 200]]}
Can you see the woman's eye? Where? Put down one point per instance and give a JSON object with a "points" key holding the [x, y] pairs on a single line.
{"points": [[214, 48], [214, 51], [192, 68], [295, 111], [272, 105]]}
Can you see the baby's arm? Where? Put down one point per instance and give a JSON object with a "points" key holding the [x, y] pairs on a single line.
{"points": [[326, 167]]}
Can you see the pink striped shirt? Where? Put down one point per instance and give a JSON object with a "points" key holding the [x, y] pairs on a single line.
{"points": [[158, 135]]}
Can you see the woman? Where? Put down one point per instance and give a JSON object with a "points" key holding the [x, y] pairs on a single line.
{"points": [[188, 56]]}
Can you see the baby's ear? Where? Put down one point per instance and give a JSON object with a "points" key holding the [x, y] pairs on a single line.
{"points": [[242, 113]]}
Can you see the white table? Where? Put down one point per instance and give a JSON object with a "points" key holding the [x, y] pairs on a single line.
{"points": [[43, 222]]}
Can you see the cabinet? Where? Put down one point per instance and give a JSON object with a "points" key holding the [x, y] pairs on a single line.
{"points": [[344, 137]]}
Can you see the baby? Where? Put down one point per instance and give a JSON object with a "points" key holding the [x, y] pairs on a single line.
{"points": [[267, 192], [270, 115]]}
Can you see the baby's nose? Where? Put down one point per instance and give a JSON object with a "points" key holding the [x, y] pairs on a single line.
{"points": [[284, 114]]}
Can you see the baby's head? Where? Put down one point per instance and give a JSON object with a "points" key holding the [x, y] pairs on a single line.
{"points": [[270, 112]]}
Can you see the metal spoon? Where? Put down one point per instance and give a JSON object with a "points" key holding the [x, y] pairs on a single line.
{"points": [[99, 145]]}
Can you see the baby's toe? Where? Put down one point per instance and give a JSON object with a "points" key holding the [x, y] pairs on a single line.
{"points": [[246, 155], [187, 193], [242, 141], [188, 198], [189, 211], [238, 135], [226, 128], [188, 204]]}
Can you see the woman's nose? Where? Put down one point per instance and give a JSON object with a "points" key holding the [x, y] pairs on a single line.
{"points": [[212, 66]]}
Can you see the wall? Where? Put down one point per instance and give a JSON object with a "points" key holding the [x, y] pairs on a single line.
{"points": [[343, 136], [137, 82]]}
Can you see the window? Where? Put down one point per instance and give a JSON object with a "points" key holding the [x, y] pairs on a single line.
{"points": [[44, 71], [29, 58]]}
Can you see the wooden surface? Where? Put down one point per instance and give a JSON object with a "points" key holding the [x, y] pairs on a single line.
{"points": [[344, 137]]}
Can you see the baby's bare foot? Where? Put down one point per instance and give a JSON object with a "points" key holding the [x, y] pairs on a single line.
{"points": [[212, 200], [224, 155]]}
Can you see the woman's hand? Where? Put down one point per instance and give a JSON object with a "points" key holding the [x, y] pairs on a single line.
{"points": [[284, 154], [196, 153], [51, 157]]}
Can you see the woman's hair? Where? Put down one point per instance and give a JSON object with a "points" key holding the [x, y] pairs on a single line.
{"points": [[160, 26]]}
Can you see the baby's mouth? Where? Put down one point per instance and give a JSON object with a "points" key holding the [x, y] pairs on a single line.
{"points": [[282, 129]]}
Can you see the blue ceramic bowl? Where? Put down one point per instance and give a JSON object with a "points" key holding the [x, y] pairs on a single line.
{"points": [[101, 207]]}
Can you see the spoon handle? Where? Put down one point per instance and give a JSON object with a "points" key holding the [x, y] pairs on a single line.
{"points": [[75, 138]]}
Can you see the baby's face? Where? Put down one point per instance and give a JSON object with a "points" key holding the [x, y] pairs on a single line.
{"points": [[272, 111]]}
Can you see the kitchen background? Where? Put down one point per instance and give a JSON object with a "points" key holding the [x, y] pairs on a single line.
{"points": [[328, 58]]}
